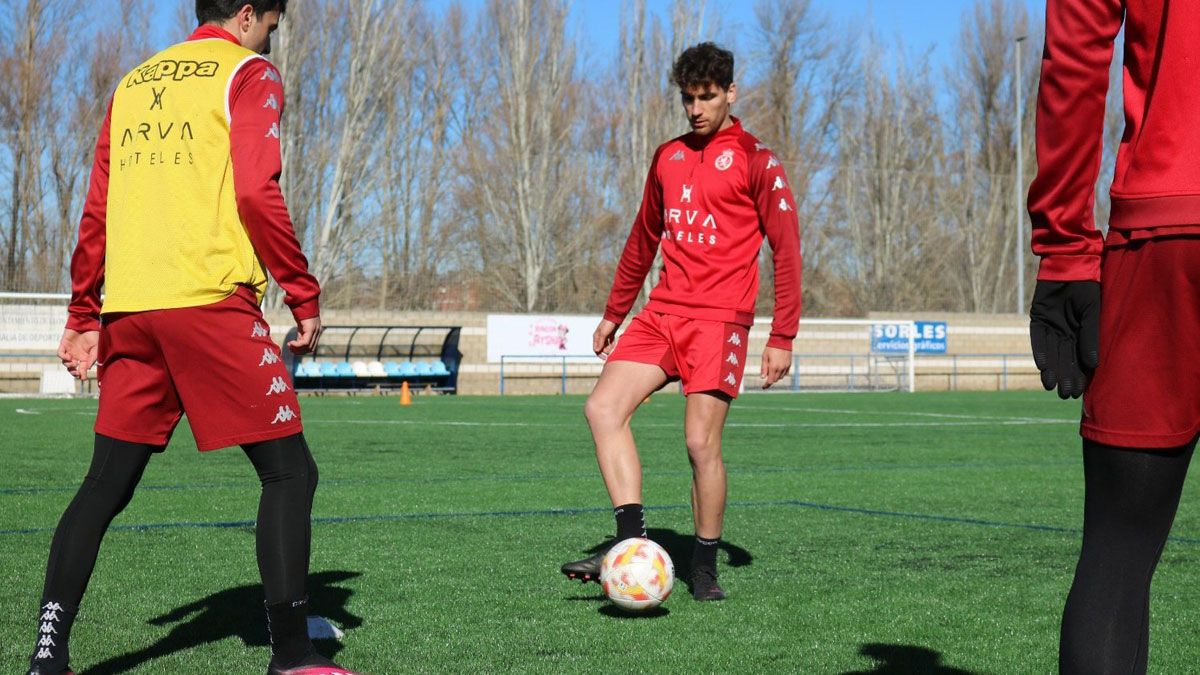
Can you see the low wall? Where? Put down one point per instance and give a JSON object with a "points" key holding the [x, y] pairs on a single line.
{"points": [[969, 336]]}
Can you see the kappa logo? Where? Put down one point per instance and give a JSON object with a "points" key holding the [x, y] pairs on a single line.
{"points": [[687, 194], [724, 161], [46, 641], [53, 606], [278, 386], [773, 162], [259, 331], [285, 414], [48, 628], [735, 339], [731, 380], [50, 615], [677, 157], [784, 206], [272, 102], [175, 70], [272, 75], [732, 360], [269, 358], [273, 132], [44, 653], [779, 185]]}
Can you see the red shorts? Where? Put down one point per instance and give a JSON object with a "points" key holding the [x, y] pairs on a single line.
{"points": [[216, 363], [1146, 392], [704, 355]]}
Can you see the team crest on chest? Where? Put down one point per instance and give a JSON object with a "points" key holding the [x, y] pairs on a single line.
{"points": [[724, 161]]}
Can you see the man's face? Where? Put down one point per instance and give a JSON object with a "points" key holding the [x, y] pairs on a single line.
{"points": [[707, 107], [254, 32]]}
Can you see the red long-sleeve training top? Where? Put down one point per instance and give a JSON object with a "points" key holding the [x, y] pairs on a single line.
{"points": [[1156, 188], [709, 202], [256, 169]]}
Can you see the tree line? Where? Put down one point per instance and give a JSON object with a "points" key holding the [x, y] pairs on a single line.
{"points": [[441, 157]]}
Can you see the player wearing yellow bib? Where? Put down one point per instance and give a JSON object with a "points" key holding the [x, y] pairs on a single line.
{"points": [[184, 219]]}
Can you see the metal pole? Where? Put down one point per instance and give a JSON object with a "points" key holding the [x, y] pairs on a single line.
{"points": [[1017, 188]]}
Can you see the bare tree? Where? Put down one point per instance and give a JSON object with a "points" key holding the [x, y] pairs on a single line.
{"points": [[979, 190], [884, 184], [524, 169], [803, 74]]}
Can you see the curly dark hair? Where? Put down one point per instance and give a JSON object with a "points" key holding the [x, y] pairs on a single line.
{"points": [[220, 10], [702, 65]]}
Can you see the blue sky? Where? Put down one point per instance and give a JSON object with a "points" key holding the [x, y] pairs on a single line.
{"points": [[920, 24]]}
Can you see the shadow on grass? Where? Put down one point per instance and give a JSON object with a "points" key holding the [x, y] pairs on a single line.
{"points": [[905, 660], [236, 612], [618, 613], [679, 546]]}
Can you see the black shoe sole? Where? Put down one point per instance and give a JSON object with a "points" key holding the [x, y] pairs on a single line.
{"points": [[584, 577]]}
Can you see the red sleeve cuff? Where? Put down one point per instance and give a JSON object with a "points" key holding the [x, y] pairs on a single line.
{"points": [[83, 323], [780, 342], [1069, 268], [614, 317], [307, 310]]}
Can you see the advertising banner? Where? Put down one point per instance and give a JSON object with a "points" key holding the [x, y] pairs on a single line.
{"points": [[531, 337], [892, 338]]}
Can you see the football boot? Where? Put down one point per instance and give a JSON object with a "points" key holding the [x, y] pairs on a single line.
{"points": [[705, 586], [587, 569]]}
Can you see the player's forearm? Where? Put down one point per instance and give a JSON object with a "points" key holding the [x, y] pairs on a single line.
{"points": [[1070, 127], [785, 254], [636, 261], [635, 264], [267, 222], [87, 261]]}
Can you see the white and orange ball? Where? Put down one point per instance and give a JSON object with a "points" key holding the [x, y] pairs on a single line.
{"points": [[637, 574]]}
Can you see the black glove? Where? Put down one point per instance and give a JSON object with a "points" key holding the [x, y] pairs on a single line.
{"points": [[1064, 329]]}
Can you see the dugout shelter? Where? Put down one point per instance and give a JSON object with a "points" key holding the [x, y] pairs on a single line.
{"points": [[350, 358]]}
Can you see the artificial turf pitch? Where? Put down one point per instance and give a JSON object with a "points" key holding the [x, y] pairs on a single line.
{"points": [[886, 533]]}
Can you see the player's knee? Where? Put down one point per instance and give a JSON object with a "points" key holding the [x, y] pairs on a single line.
{"points": [[602, 413], [703, 449]]}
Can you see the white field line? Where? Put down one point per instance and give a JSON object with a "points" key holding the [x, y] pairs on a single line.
{"points": [[961, 416], [745, 425]]}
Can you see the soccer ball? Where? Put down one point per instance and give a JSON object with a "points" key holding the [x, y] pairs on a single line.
{"points": [[637, 574]]}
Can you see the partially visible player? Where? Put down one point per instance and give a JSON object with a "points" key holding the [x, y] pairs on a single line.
{"points": [[711, 197], [1131, 355], [183, 212]]}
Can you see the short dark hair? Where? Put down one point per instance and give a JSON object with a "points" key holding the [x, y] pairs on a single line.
{"points": [[702, 65], [220, 10]]}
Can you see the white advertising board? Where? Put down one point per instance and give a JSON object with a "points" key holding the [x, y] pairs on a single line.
{"points": [[539, 335], [31, 328]]}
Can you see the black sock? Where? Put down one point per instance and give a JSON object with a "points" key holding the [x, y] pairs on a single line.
{"points": [[52, 652], [630, 521], [288, 625], [704, 553]]}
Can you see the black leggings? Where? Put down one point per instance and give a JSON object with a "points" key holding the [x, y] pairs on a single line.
{"points": [[289, 478], [1129, 504]]}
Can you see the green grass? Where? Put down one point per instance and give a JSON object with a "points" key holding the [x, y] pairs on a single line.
{"points": [[939, 522]]}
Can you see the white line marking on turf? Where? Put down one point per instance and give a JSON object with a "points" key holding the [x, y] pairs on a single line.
{"points": [[909, 414], [24, 411], [752, 425]]}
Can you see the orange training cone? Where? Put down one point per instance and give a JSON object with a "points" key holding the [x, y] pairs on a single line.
{"points": [[405, 395]]}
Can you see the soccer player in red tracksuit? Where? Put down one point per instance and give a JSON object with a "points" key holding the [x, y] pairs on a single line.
{"points": [[183, 211], [710, 198], [1132, 356]]}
